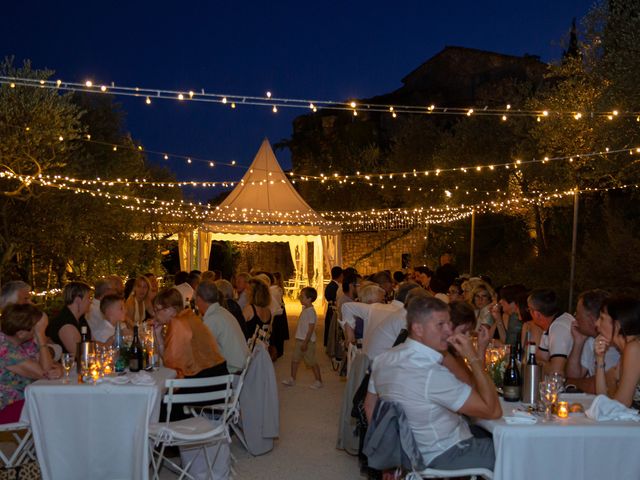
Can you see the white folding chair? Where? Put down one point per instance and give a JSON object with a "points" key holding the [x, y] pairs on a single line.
{"points": [[21, 433], [197, 431], [473, 473], [234, 408]]}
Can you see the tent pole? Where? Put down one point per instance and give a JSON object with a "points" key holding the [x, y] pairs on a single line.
{"points": [[473, 241], [574, 243]]}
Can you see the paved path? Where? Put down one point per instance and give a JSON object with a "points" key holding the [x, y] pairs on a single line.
{"points": [[308, 426]]}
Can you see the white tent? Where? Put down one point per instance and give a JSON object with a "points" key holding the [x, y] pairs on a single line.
{"points": [[264, 207]]}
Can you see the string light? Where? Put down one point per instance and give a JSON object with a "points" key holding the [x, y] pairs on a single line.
{"points": [[349, 221], [389, 176], [270, 101]]}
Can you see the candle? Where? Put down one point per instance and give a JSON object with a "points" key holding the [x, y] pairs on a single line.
{"points": [[563, 409]]}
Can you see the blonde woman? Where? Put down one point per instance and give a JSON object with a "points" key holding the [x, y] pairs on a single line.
{"points": [[257, 313], [135, 306]]}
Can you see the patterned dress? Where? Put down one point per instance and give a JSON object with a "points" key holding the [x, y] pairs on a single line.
{"points": [[11, 385]]}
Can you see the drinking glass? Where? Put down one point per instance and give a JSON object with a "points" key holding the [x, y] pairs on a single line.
{"points": [[68, 361], [548, 396], [558, 379]]}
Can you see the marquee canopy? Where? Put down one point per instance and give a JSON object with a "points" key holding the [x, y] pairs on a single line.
{"points": [[265, 207]]}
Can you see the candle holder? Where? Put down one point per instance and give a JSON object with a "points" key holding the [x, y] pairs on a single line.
{"points": [[563, 409]]}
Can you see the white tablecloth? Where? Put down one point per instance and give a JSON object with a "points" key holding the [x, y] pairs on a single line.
{"points": [[87, 431], [571, 448]]}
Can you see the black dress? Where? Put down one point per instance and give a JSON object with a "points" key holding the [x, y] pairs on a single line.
{"points": [[280, 331], [254, 322]]}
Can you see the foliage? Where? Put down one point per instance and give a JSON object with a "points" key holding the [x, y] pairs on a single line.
{"points": [[49, 235], [530, 243]]}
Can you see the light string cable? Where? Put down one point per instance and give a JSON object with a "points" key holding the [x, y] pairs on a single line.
{"points": [[268, 100], [372, 178], [380, 176], [189, 159], [348, 220]]}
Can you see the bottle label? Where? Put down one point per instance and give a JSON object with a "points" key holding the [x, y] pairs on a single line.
{"points": [[134, 366], [511, 393]]}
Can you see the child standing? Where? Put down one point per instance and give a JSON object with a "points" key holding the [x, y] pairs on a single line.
{"points": [[306, 339]]}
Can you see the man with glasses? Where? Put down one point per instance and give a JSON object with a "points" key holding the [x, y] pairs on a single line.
{"points": [[556, 341]]}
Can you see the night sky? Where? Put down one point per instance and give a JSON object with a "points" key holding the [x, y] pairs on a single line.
{"points": [[329, 50]]}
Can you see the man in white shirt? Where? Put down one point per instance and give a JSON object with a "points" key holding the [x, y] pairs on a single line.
{"points": [[223, 326], [433, 399], [557, 341], [383, 336], [581, 365], [371, 314]]}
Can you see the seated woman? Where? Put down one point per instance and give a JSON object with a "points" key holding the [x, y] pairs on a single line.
{"points": [[482, 298], [24, 357], [463, 320], [188, 347], [257, 313], [619, 328], [135, 308], [531, 332]]}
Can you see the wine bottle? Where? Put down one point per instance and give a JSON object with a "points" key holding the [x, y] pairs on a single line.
{"points": [[135, 352], [118, 343], [84, 337], [511, 382], [532, 372]]}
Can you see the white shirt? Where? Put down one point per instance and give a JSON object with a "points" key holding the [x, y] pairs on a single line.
{"points": [[101, 328], [412, 375], [557, 341], [371, 314], [229, 336], [588, 357], [307, 317], [382, 337], [276, 300]]}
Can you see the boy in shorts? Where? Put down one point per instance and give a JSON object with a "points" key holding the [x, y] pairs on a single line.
{"points": [[306, 339]]}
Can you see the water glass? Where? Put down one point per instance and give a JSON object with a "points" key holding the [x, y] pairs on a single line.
{"points": [[68, 361], [548, 396]]}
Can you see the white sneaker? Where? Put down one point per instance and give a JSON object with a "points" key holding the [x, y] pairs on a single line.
{"points": [[317, 385], [289, 382]]}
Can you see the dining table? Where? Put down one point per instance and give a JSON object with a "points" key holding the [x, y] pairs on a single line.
{"points": [[85, 430], [575, 447]]}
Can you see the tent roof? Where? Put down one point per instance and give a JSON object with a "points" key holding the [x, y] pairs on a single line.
{"points": [[265, 202]]}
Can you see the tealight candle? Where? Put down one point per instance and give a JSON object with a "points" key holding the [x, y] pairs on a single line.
{"points": [[563, 409]]}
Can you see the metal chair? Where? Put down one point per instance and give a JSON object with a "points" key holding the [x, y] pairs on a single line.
{"points": [[473, 473], [198, 431], [21, 433]]}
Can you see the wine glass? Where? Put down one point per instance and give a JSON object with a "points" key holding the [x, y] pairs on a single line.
{"points": [[558, 379], [68, 361], [548, 396]]}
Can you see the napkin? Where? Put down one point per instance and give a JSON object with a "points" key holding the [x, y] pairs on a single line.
{"points": [[604, 408], [141, 378], [518, 417]]}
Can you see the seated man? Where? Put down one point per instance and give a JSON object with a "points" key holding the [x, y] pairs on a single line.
{"points": [[223, 326], [433, 399], [556, 341], [581, 365], [370, 309], [383, 336]]}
